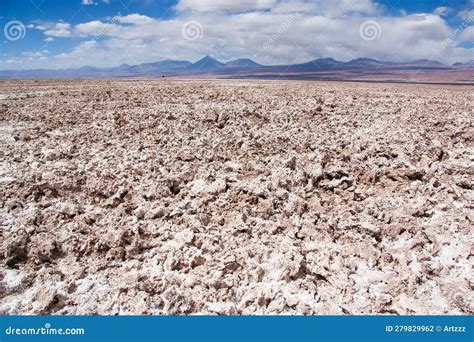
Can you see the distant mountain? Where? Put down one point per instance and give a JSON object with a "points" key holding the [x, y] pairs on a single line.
{"points": [[318, 69], [168, 63], [367, 64], [205, 64], [159, 66], [323, 64], [365, 61], [423, 64], [242, 63], [331, 65], [469, 64], [426, 62], [88, 68]]}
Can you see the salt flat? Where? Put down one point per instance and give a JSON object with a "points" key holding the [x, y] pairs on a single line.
{"points": [[235, 197]]}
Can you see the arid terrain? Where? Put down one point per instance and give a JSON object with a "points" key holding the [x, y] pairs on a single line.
{"points": [[235, 197]]}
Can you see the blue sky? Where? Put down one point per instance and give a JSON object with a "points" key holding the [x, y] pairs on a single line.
{"points": [[74, 33]]}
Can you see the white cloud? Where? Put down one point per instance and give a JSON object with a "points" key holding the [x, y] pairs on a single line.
{"points": [[319, 7], [335, 8], [49, 39], [59, 30], [86, 45], [467, 35], [91, 2], [467, 13], [136, 19], [224, 5], [32, 54], [79, 53], [442, 11], [95, 28]]}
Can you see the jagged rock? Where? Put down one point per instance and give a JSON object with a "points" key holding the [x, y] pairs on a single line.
{"points": [[44, 248]]}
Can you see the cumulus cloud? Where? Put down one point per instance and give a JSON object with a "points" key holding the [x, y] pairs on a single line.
{"points": [[32, 54], [467, 13], [86, 45], [224, 5], [78, 55], [95, 28], [467, 35], [92, 2], [59, 30], [320, 7], [442, 11], [136, 19], [333, 8]]}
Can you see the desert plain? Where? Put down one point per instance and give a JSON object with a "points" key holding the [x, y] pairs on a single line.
{"points": [[242, 197]]}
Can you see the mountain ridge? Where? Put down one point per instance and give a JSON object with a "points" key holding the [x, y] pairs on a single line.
{"points": [[208, 66]]}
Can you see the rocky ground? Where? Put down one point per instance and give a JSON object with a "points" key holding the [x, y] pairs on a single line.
{"points": [[235, 197]]}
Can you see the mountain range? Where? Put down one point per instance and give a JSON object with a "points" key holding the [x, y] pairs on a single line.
{"points": [[363, 69]]}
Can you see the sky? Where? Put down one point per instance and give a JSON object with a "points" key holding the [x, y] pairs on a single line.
{"points": [[56, 34]]}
